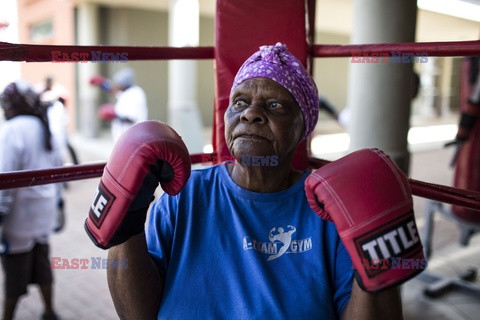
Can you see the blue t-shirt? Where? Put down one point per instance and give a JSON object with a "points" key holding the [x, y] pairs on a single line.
{"points": [[229, 253]]}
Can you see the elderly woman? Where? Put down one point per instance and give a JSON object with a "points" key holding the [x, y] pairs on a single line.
{"points": [[240, 241], [28, 214]]}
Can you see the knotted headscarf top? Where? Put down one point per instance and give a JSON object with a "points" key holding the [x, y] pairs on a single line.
{"points": [[277, 63]]}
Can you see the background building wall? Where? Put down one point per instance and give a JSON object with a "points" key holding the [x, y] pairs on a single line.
{"points": [[60, 14], [144, 27], [8, 33], [331, 74], [145, 23]]}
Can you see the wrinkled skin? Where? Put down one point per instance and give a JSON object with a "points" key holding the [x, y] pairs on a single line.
{"points": [[263, 119]]}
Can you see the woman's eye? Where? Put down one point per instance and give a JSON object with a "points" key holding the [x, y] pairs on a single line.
{"points": [[275, 105], [240, 104]]}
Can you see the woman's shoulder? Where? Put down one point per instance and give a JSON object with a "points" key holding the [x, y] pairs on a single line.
{"points": [[23, 119], [20, 123]]}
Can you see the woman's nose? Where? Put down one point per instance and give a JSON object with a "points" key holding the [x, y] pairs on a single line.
{"points": [[253, 114]]}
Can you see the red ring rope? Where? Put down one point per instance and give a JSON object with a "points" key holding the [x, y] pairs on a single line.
{"points": [[49, 53], [43, 53], [28, 178], [432, 49]]}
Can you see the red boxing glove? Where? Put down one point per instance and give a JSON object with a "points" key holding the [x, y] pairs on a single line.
{"points": [[369, 199], [100, 81], [107, 112], [97, 80], [147, 153]]}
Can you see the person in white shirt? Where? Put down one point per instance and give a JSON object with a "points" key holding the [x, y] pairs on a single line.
{"points": [[56, 97], [28, 215], [131, 102]]}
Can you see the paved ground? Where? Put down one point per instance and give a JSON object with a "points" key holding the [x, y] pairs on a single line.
{"points": [[83, 293], [448, 257]]}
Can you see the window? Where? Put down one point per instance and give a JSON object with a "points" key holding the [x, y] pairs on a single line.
{"points": [[41, 30]]}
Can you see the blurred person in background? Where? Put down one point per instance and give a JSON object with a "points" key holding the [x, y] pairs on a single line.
{"points": [[131, 101], [56, 98], [28, 215]]}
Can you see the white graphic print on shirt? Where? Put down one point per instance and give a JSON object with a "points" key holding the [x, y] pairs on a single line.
{"points": [[280, 242]]}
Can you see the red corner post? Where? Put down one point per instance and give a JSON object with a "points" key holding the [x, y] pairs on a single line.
{"points": [[241, 28]]}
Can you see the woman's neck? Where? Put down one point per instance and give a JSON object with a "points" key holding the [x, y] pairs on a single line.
{"points": [[264, 179]]}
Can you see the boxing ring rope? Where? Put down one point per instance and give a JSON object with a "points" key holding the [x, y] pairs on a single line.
{"points": [[49, 53], [29, 178], [43, 53], [431, 49]]}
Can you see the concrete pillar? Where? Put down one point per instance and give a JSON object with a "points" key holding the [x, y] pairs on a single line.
{"points": [[446, 88], [88, 96], [431, 80], [379, 94], [184, 115]]}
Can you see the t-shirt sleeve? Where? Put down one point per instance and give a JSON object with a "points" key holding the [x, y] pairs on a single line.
{"points": [[343, 278], [159, 231], [132, 105], [10, 154], [11, 151]]}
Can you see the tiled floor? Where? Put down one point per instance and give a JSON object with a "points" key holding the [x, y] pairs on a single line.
{"points": [[448, 261], [448, 257]]}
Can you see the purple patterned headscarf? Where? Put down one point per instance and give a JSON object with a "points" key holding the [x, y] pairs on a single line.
{"points": [[280, 65]]}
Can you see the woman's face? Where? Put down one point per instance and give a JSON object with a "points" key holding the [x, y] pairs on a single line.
{"points": [[263, 119]]}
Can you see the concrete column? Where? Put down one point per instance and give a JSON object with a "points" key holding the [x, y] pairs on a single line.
{"points": [[446, 88], [88, 96], [431, 81], [184, 115], [379, 94]]}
